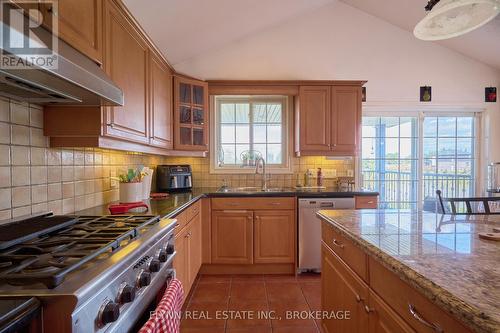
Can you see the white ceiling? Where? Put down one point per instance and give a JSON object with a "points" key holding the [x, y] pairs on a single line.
{"points": [[185, 29], [482, 44]]}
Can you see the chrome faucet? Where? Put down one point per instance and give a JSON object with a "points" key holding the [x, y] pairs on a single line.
{"points": [[260, 161]]}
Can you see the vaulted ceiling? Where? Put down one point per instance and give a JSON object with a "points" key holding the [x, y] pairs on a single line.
{"points": [[187, 29], [482, 44]]}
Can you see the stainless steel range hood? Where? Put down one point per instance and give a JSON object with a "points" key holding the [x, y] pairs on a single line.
{"points": [[76, 80]]}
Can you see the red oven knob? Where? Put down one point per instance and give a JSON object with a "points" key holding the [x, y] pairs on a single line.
{"points": [[154, 265], [143, 279], [126, 294], [110, 311]]}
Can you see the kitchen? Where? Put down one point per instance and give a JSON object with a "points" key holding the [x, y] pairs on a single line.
{"points": [[164, 159]]}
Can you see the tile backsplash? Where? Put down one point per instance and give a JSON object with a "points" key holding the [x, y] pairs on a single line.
{"points": [[202, 177], [36, 178]]}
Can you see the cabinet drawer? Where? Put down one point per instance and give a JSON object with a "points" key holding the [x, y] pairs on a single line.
{"points": [[345, 249], [253, 203], [192, 210], [370, 202], [184, 217], [401, 297]]}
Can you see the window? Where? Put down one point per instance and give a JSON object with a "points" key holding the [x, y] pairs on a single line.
{"points": [[246, 127], [390, 159], [407, 176]]}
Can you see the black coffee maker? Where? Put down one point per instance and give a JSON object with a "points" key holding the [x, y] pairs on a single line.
{"points": [[174, 178]]}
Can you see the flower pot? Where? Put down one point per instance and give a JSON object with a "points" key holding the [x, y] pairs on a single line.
{"points": [[130, 192]]}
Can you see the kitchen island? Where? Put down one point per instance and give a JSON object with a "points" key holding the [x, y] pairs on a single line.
{"points": [[433, 270]]}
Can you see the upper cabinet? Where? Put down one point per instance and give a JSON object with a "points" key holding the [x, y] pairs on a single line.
{"points": [[190, 114], [329, 120], [161, 104], [79, 24], [126, 62]]}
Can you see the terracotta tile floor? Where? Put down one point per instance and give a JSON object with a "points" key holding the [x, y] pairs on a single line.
{"points": [[246, 297]]}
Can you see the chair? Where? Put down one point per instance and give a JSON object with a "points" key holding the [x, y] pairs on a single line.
{"points": [[468, 204]]}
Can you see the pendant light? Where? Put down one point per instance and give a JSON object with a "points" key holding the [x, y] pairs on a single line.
{"points": [[452, 18]]}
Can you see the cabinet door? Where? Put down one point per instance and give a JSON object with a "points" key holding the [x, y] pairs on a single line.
{"points": [[274, 236], [126, 61], [190, 114], [181, 259], [342, 290], [383, 319], [161, 104], [314, 118], [194, 247], [79, 24], [232, 237], [346, 119]]}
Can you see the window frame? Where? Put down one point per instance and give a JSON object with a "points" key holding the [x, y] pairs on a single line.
{"points": [[287, 132], [420, 113]]}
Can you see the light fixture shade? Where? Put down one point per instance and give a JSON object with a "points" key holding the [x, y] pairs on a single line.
{"points": [[452, 18]]}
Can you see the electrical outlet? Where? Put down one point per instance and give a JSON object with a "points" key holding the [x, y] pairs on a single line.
{"points": [[329, 173]]}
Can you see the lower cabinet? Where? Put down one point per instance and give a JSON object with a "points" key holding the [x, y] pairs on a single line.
{"points": [[383, 319], [343, 290], [187, 261], [274, 235], [232, 237], [253, 236]]}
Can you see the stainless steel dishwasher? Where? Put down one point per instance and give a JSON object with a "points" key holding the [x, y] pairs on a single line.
{"points": [[310, 229]]}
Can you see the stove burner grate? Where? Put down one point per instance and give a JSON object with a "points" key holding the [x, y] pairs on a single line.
{"points": [[50, 256]]}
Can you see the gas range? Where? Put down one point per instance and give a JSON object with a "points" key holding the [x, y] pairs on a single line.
{"points": [[92, 273]]}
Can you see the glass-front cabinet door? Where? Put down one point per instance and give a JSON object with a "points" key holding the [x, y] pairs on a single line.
{"points": [[191, 114]]}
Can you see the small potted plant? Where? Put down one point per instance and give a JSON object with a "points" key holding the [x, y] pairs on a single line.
{"points": [[131, 186]]}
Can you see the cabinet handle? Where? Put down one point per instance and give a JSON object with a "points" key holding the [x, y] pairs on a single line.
{"points": [[358, 298], [433, 326], [370, 202], [367, 309], [233, 204], [337, 243], [249, 218], [275, 203]]}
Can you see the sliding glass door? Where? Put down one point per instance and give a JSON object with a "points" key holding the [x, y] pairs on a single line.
{"points": [[406, 159], [390, 159]]}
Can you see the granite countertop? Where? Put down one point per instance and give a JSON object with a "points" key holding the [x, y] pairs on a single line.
{"points": [[176, 202], [439, 255]]}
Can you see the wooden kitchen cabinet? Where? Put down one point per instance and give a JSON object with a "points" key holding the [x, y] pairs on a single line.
{"points": [[366, 202], [346, 119], [383, 319], [329, 120], [161, 104], [187, 261], [315, 118], [126, 62], [80, 24], [379, 304], [232, 237], [342, 290], [274, 235], [181, 259], [190, 114]]}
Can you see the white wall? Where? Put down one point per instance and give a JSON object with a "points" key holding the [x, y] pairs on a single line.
{"points": [[340, 42]]}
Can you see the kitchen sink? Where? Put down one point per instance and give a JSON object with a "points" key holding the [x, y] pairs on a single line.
{"points": [[251, 189]]}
